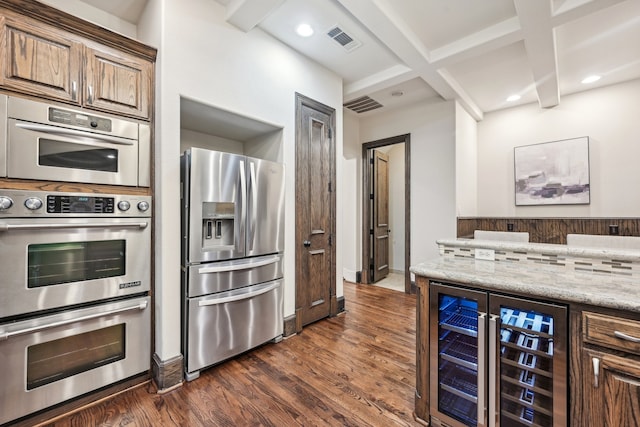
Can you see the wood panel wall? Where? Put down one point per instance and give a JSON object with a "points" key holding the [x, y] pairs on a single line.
{"points": [[549, 230]]}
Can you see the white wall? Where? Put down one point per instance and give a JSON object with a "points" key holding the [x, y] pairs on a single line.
{"points": [[190, 138], [251, 74], [352, 197], [466, 163], [433, 206], [94, 15], [608, 116]]}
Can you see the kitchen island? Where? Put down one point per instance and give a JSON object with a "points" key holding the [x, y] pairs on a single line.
{"points": [[598, 351]]}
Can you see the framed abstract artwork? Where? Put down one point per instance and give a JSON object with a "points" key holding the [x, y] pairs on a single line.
{"points": [[553, 173]]}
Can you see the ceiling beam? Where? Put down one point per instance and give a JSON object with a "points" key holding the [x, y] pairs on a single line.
{"points": [[573, 10], [378, 81], [246, 14], [481, 42], [539, 41], [382, 20]]}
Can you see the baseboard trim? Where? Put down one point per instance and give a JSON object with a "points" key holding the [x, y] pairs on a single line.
{"points": [[289, 326], [167, 374]]}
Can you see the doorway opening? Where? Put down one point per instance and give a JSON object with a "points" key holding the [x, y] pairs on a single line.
{"points": [[379, 240]]}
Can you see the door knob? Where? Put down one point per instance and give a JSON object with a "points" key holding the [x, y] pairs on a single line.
{"points": [[306, 243]]}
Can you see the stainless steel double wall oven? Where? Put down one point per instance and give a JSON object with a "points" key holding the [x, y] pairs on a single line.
{"points": [[75, 309]]}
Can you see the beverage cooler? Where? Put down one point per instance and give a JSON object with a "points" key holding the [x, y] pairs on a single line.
{"points": [[496, 360]]}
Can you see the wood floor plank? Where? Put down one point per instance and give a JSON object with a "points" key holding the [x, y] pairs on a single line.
{"points": [[356, 369]]}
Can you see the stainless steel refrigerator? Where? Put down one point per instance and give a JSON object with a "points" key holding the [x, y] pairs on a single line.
{"points": [[232, 255]]}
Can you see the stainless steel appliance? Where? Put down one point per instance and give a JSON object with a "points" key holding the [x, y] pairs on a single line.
{"points": [[233, 239], [49, 359], [61, 249], [496, 360], [52, 143], [74, 304]]}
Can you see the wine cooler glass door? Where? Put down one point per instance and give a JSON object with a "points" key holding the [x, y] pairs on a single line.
{"points": [[531, 359], [457, 355]]}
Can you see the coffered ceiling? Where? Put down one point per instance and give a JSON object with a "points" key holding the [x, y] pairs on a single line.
{"points": [[478, 52]]}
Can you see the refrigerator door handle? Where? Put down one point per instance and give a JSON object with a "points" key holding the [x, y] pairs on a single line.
{"points": [[240, 239], [482, 369], [239, 265], [251, 292], [253, 214], [493, 366]]}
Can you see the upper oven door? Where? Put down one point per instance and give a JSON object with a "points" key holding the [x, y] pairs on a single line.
{"points": [[48, 152], [52, 263]]}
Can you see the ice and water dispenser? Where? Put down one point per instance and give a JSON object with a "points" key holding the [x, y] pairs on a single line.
{"points": [[218, 225]]}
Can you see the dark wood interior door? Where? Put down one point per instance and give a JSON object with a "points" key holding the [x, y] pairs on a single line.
{"points": [[315, 212], [381, 229]]}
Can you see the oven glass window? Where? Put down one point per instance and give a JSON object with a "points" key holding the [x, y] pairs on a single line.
{"points": [[54, 360], [77, 156], [56, 263]]}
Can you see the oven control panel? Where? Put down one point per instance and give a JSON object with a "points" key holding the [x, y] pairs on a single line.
{"points": [[19, 203], [80, 204], [58, 115]]}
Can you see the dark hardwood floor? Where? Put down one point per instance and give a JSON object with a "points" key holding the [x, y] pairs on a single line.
{"points": [[357, 369]]}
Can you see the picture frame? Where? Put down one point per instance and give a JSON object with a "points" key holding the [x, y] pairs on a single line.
{"points": [[553, 173]]}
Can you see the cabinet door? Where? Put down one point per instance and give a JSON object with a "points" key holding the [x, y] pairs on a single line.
{"points": [[117, 82], [612, 390], [40, 60]]}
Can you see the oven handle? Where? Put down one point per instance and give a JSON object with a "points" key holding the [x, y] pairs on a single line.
{"points": [[72, 133], [9, 227], [6, 335]]}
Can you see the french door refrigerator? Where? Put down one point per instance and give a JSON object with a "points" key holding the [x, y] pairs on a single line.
{"points": [[496, 360], [232, 255]]}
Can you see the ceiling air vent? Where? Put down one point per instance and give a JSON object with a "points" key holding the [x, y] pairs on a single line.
{"points": [[363, 104], [345, 40]]}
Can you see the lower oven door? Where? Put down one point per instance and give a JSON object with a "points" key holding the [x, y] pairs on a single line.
{"points": [[50, 359], [50, 263], [225, 324]]}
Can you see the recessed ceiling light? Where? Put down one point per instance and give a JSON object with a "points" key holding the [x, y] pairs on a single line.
{"points": [[591, 79], [304, 30], [513, 98]]}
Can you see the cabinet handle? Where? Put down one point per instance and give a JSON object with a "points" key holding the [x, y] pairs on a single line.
{"points": [[74, 90], [596, 371], [90, 100], [626, 337]]}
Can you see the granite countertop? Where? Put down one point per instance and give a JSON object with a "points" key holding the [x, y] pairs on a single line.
{"points": [[546, 282]]}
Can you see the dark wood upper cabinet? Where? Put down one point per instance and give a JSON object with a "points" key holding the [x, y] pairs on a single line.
{"points": [[45, 61], [117, 83]]}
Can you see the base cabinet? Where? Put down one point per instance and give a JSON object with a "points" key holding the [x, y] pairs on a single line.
{"points": [[611, 370], [611, 389], [603, 367]]}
